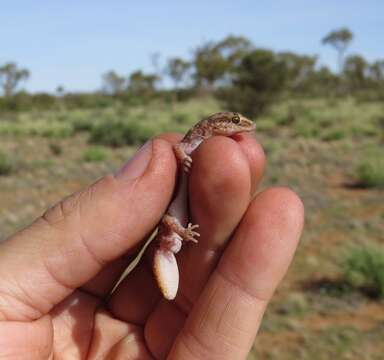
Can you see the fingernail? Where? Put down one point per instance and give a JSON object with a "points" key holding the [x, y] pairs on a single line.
{"points": [[137, 164]]}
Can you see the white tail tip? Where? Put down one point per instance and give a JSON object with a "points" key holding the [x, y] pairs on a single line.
{"points": [[166, 273]]}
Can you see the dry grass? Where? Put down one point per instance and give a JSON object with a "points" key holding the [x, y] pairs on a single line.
{"points": [[313, 146]]}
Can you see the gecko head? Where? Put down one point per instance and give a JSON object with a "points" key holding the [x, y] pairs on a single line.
{"points": [[230, 123]]}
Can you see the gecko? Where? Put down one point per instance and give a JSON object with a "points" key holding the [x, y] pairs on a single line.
{"points": [[174, 227]]}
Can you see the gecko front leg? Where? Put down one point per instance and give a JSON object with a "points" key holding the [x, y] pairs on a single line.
{"points": [[183, 157]]}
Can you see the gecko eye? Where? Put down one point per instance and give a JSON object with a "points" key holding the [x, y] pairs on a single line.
{"points": [[236, 119]]}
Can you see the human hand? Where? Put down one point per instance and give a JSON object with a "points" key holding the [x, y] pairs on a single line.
{"points": [[56, 275]]}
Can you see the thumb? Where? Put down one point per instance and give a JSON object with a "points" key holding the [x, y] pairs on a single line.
{"points": [[71, 242]]}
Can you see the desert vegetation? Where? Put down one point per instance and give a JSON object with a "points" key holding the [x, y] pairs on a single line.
{"points": [[323, 133]]}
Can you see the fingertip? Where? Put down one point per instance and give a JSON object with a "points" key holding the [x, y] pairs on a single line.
{"points": [[220, 165], [255, 155], [265, 242], [155, 156], [287, 203], [163, 161], [171, 137]]}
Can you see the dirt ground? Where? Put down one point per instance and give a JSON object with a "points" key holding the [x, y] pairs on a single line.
{"points": [[309, 317]]}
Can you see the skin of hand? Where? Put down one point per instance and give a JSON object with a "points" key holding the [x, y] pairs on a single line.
{"points": [[56, 274]]}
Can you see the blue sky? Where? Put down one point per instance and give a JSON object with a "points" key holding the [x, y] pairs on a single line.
{"points": [[71, 43]]}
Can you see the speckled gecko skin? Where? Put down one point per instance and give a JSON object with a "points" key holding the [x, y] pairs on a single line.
{"points": [[175, 227]]}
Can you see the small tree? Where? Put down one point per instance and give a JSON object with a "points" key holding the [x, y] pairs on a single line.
{"points": [[324, 82], [60, 90], [113, 83], [376, 72], [177, 69], [340, 40], [213, 61], [209, 66], [257, 82], [233, 49], [300, 70], [155, 59], [140, 84], [355, 72], [10, 77]]}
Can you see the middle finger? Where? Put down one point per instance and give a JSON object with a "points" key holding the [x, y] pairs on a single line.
{"points": [[224, 177]]}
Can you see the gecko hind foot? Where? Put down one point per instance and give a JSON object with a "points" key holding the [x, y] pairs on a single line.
{"points": [[190, 234]]}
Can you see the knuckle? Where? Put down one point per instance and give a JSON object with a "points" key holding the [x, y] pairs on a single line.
{"points": [[62, 210], [71, 205]]}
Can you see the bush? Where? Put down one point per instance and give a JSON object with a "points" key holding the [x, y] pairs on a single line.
{"points": [[108, 134], [5, 165], [54, 130], [333, 134], [56, 149], [82, 125], [23, 101], [120, 133], [181, 118], [370, 175], [370, 170], [307, 130], [87, 101], [364, 269], [94, 154]]}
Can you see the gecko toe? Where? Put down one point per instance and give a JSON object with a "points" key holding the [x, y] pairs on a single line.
{"points": [[192, 227]]}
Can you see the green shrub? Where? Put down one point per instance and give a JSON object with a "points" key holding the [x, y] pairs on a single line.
{"points": [[120, 133], [22, 101], [334, 134], [82, 125], [5, 164], [37, 128], [307, 130], [181, 118], [94, 154], [108, 134], [286, 120], [364, 269], [57, 131], [55, 148], [326, 123], [90, 101], [370, 175], [370, 170]]}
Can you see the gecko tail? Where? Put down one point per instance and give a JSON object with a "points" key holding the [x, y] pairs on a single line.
{"points": [[166, 272]]}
